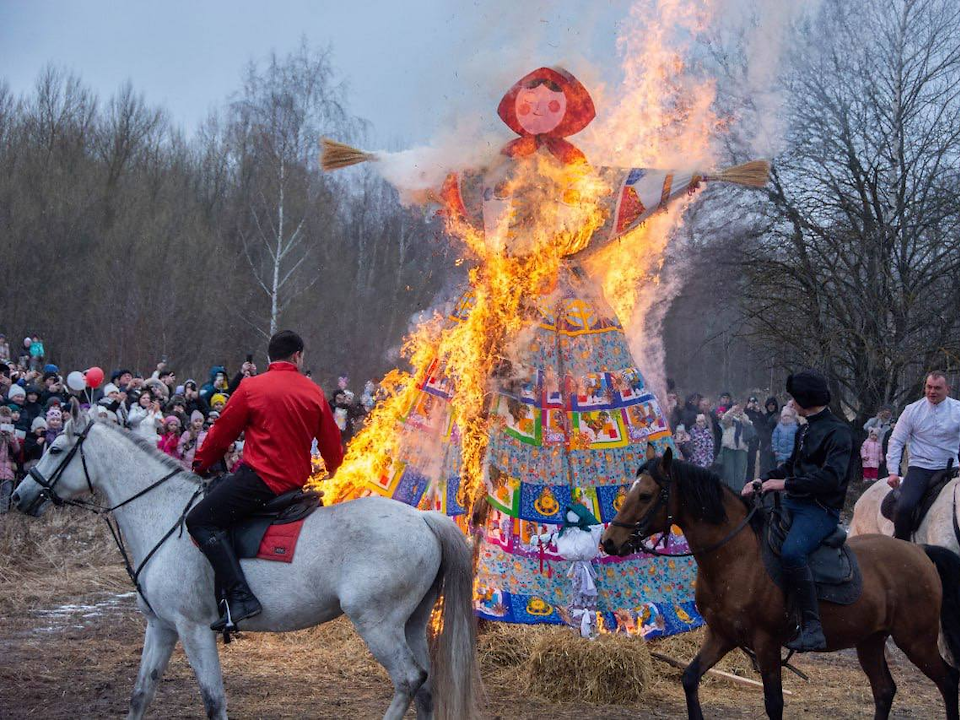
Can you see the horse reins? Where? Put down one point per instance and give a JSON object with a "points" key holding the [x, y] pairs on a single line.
{"points": [[663, 500], [49, 492]]}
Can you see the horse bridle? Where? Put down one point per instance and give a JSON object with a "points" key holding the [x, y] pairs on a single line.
{"points": [[639, 528], [49, 493]]}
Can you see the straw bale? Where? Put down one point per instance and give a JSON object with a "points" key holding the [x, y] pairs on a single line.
{"points": [[613, 669]]}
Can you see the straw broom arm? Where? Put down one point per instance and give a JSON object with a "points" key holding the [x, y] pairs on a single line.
{"points": [[756, 684]]}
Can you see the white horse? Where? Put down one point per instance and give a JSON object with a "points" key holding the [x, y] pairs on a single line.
{"points": [[936, 528], [382, 563]]}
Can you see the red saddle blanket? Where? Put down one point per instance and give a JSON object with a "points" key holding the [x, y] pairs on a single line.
{"points": [[279, 542]]}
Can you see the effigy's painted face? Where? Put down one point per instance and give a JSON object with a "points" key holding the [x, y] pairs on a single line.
{"points": [[540, 109]]}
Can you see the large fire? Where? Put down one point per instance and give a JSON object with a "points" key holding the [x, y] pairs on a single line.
{"points": [[661, 118]]}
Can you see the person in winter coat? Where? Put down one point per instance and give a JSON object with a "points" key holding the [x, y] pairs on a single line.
{"points": [[702, 440], [690, 410], [871, 453], [35, 443], [54, 425], [735, 442], [53, 388], [195, 403], [218, 383], [191, 439], [37, 352], [759, 420], [9, 454], [4, 349], [169, 440], [784, 435], [771, 417], [145, 417], [31, 408]]}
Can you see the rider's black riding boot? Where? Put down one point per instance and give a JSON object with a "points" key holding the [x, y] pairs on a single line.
{"points": [[240, 602], [802, 589]]}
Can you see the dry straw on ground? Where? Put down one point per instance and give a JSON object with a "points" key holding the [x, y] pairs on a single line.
{"points": [[613, 669]]}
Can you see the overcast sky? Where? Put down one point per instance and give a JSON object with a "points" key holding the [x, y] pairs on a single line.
{"points": [[410, 64]]}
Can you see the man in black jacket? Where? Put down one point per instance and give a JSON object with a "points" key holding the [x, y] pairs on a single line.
{"points": [[815, 479]]}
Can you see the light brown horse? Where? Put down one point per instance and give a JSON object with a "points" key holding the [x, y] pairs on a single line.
{"points": [[909, 591]]}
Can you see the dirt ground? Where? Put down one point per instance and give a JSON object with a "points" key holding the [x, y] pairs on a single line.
{"points": [[70, 638]]}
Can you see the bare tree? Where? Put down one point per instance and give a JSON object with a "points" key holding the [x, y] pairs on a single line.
{"points": [[856, 265], [277, 123]]}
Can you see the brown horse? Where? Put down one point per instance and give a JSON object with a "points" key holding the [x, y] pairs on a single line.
{"points": [[909, 591]]}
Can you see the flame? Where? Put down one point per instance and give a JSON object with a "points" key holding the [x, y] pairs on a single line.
{"points": [[662, 117], [560, 210]]}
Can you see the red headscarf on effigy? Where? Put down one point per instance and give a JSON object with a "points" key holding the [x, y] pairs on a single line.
{"points": [[579, 113]]}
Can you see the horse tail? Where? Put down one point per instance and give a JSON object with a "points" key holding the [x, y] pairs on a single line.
{"points": [[456, 678], [948, 567]]}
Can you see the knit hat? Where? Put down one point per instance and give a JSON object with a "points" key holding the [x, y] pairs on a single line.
{"points": [[171, 419], [27, 341], [13, 407], [179, 390], [38, 422], [49, 374], [32, 389], [110, 388], [218, 397], [51, 368], [808, 389], [53, 401], [17, 394], [54, 414], [196, 415], [190, 383], [115, 375]]}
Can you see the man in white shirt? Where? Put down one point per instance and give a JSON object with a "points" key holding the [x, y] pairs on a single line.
{"points": [[930, 428]]}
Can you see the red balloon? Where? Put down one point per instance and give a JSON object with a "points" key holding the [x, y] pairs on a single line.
{"points": [[94, 377]]}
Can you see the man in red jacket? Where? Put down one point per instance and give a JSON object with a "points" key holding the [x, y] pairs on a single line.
{"points": [[280, 412]]}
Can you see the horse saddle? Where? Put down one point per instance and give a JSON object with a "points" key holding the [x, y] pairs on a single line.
{"points": [[834, 566], [935, 485], [290, 507]]}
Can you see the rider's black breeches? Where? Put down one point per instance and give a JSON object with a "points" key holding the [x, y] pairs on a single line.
{"points": [[912, 489], [236, 497]]}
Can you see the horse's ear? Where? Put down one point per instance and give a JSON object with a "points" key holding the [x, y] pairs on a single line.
{"points": [[651, 451], [667, 460], [75, 411]]}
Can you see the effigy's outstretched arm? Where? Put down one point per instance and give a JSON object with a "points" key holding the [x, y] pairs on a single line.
{"points": [[639, 193]]}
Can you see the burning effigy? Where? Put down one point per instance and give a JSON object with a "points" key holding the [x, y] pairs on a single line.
{"points": [[525, 397]]}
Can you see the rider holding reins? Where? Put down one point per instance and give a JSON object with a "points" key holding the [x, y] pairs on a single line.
{"points": [[815, 479], [280, 412]]}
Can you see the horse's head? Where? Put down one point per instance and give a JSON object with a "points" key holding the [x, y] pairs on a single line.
{"points": [[646, 509], [59, 474]]}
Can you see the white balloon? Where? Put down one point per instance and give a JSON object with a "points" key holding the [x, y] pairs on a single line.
{"points": [[76, 381]]}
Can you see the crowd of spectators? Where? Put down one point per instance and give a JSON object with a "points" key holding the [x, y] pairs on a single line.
{"points": [[158, 407], [742, 440]]}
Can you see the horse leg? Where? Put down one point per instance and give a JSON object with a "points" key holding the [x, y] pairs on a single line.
{"points": [[158, 643], [416, 633], [200, 645], [388, 644], [713, 649], [922, 650], [767, 649], [870, 652]]}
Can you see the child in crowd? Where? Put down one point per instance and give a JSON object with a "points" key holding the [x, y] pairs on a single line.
{"points": [[9, 451], [191, 439], [784, 435], [870, 455], [217, 402], [35, 443], [4, 349], [701, 437], [54, 424], [37, 352], [169, 440]]}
